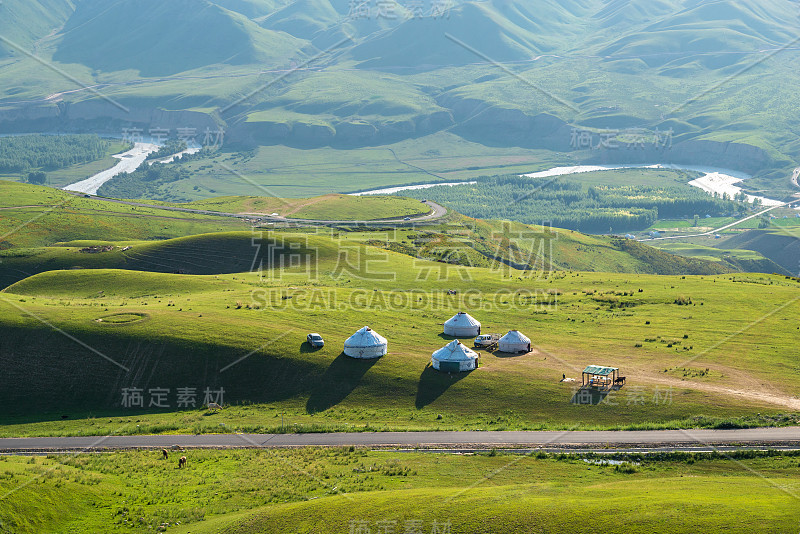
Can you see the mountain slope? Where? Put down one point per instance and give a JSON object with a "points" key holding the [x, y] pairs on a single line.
{"points": [[303, 18], [22, 22], [424, 41], [158, 38], [716, 29]]}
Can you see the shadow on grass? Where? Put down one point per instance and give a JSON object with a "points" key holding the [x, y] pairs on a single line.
{"points": [[338, 381], [433, 383], [590, 395], [306, 347]]}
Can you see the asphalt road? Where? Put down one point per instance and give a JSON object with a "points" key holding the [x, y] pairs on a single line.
{"points": [[550, 440]]}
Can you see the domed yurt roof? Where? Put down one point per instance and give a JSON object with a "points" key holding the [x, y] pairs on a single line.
{"points": [[462, 324], [455, 356], [366, 343], [514, 341], [455, 351]]}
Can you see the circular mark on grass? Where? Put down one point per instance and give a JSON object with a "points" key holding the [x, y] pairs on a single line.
{"points": [[119, 319]]}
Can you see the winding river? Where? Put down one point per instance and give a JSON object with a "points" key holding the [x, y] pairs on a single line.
{"points": [[713, 180], [128, 162]]}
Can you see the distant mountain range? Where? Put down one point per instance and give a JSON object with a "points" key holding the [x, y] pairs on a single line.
{"points": [[500, 72]]}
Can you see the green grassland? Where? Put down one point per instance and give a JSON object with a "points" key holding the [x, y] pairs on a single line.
{"points": [[326, 208], [33, 216], [43, 246], [337, 489], [727, 355], [290, 172]]}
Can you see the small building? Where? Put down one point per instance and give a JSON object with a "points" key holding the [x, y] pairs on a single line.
{"points": [[365, 344], [514, 342], [600, 377], [462, 324], [454, 357]]}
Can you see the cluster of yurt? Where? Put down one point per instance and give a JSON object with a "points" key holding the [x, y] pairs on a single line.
{"points": [[366, 344], [453, 357]]}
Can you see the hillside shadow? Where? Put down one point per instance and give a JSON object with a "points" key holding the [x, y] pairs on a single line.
{"points": [[338, 381], [433, 383]]}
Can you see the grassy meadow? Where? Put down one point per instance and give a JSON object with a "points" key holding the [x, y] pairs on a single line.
{"points": [[339, 489], [326, 207], [288, 172], [697, 350]]}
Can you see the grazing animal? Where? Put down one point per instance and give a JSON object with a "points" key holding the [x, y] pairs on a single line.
{"points": [[165, 453], [182, 462], [214, 406]]}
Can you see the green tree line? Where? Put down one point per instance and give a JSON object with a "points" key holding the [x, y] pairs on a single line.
{"points": [[567, 204], [25, 152]]}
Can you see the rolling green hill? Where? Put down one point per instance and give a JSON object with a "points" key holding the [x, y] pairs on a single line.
{"points": [[780, 245], [157, 38], [302, 18], [338, 489], [177, 330]]}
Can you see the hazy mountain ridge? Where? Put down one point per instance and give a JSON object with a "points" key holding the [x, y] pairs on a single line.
{"points": [[366, 79]]}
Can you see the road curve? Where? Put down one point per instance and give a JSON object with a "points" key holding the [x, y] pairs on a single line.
{"points": [[657, 439]]}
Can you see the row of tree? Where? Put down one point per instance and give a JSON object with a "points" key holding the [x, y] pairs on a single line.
{"points": [[172, 146], [566, 204], [23, 153]]}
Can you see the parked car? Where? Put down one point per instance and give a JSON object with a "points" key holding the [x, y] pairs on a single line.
{"points": [[315, 340], [406, 218], [486, 341]]}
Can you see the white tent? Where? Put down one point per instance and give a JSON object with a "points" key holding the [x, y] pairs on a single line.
{"points": [[366, 343], [462, 325], [454, 357], [514, 341]]}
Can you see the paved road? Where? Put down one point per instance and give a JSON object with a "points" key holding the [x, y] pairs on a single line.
{"points": [[659, 439], [437, 212], [721, 228]]}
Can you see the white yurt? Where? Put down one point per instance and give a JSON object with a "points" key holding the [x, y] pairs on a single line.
{"points": [[454, 357], [514, 341], [462, 325], [366, 343]]}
